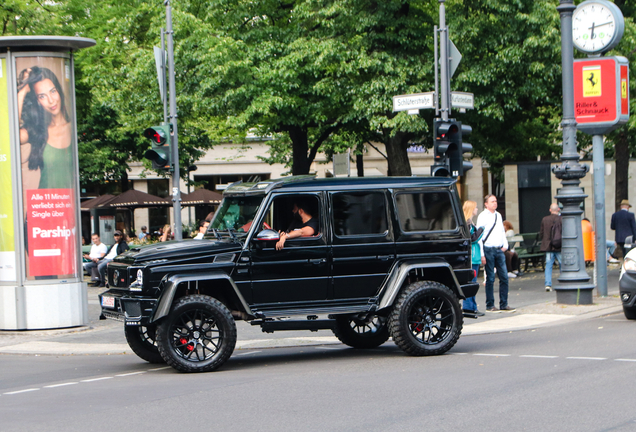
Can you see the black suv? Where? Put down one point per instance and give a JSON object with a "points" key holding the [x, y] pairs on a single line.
{"points": [[391, 257]]}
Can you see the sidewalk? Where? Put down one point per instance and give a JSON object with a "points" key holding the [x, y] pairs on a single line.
{"points": [[535, 308]]}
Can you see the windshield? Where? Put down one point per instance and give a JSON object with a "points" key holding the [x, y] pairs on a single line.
{"points": [[236, 213]]}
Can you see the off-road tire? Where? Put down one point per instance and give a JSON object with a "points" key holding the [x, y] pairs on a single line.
{"points": [[143, 341], [426, 319], [198, 335], [630, 313], [363, 333]]}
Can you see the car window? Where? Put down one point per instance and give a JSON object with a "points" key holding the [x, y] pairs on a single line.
{"points": [[359, 213], [281, 217], [425, 211]]}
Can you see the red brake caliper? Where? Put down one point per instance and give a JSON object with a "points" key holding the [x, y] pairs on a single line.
{"points": [[184, 341]]}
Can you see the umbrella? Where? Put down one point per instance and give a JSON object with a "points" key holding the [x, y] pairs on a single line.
{"points": [[133, 199], [201, 197], [96, 202]]}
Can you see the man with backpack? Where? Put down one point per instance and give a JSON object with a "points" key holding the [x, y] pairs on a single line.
{"points": [[550, 235]]}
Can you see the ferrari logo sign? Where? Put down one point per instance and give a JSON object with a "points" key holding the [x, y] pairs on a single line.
{"points": [[601, 94], [591, 81]]}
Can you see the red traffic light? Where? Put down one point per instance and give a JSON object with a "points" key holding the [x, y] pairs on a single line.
{"points": [[157, 135]]}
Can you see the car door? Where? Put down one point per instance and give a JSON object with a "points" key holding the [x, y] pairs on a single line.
{"points": [[363, 247], [300, 272]]}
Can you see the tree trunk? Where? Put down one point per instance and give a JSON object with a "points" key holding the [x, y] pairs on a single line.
{"points": [[124, 181], [397, 157], [621, 155], [300, 148]]}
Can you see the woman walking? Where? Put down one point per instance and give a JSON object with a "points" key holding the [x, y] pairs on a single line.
{"points": [[470, 211]]}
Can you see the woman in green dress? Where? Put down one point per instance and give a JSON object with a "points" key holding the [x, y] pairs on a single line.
{"points": [[45, 126]]}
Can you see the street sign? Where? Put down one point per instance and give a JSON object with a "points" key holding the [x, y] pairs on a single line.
{"points": [[414, 101], [601, 94], [462, 100], [455, 58]]}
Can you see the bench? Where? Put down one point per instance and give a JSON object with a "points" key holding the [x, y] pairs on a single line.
{"points": [[529, 251]]}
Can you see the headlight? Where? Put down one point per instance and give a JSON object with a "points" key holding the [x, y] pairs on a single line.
{"points": [[629, 264], [138, 283]]}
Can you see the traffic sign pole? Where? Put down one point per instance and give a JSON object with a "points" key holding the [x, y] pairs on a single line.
{"points": [[176, 190], [445, 78]]}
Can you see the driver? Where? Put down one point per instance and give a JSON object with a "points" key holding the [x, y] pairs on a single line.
{"points": [[306, 227]]}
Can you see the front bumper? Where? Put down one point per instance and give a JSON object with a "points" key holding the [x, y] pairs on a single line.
{"points": [[131, 310], [627, 288]]}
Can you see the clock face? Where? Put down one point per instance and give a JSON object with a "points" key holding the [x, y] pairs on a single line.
{"points": [[593, 27]]}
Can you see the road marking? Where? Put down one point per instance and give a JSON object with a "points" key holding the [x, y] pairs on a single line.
{"points": [[586, 358], [158, 369], [492, 355], [626, 360], [327, 348], [458, 353], [60, 385], [539, 356], [97, 379], [21, 391], [131, 373], [247, 353]]}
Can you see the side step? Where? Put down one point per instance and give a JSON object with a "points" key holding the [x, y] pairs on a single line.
{"points": [[270, 326]]}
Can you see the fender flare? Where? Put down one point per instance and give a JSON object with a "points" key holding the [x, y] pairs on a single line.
{"points": [[394, 282], [171, 282]]}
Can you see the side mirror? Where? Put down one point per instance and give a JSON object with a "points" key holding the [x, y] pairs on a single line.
{"points": [[267, 235], [629, 244]]}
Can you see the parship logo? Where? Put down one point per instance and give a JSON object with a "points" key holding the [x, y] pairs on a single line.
{"points": [[53, 233]]}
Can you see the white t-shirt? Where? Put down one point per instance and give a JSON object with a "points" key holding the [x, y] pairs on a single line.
{"points": [[97, 251]]}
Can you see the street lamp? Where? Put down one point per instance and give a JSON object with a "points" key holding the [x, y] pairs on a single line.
{"points": [[574, 283]]}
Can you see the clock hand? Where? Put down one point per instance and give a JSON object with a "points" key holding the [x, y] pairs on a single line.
{"points": [[592, 35], [599, 25]]}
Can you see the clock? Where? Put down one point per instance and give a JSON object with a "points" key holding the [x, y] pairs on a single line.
{"points": [[597, 26]]}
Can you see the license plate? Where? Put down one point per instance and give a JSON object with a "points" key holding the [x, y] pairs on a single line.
{"points": [[108, 301]]}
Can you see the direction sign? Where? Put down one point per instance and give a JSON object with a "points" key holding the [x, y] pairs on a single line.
{"points": [[455, 58], [462, 100], [414, 101]]}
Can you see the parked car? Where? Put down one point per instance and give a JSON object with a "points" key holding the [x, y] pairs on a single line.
{"points": [[391, 257]]}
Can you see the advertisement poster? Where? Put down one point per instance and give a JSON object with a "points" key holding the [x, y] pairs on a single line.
{"points": [[7, 243], [595, 91], [48, 158]]}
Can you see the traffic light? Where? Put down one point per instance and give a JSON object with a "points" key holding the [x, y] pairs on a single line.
{"points": [[449, 149], [161, 152]]}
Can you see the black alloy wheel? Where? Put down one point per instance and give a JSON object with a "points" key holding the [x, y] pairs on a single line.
{"points": [[361, 331], [199, 335], [426, 319], [142, 340]]}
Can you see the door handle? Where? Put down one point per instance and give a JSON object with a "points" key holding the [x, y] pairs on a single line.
{"points": [[385, 257], [242, 270], [318, 261]]}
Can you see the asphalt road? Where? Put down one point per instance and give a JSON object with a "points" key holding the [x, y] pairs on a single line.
{"points": [[577, 376]]}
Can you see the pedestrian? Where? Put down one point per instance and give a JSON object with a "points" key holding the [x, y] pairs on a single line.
{"points": [[98, 251], [513, 263], [203, 227], [624, 224], [142, 235], [470, 211], [551, 248], [494, 244], [118, 248]]}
